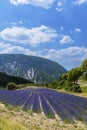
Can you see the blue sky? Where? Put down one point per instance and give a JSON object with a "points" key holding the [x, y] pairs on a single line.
{"points": [[53, 29]]}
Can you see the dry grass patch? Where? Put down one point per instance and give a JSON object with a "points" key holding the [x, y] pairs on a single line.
{"points": [[34, 121]]}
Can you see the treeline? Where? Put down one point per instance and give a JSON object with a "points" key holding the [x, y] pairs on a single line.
{"points": [[5, 79], [69, 80]]}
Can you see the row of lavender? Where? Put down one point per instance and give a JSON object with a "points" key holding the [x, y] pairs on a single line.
{"points": [[50, 102]]}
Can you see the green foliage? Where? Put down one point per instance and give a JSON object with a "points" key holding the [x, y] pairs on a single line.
{"points": [[5, 79], [84, 89], [84, 69], [73, 87], [84, 76], [65, 76], [68, 121], [11, 86], [69, 81], [84, 65], [74, 74], [68, 85], [55, 84]]}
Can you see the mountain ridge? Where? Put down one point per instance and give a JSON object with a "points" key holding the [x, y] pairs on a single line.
{"points": [[36, 69]]}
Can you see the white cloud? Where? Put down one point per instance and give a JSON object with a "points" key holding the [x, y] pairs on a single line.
{"points": [[79, 2], [66, 39], [8, 48], [59, 7], [77, 30], [16, 23], [32, 36], [70, 52], [41, 3], [69, 57], [3, 45], [61, 28]]}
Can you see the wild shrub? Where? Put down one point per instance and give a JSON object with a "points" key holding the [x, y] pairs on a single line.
{"points": [[11, 86], [72, 87]]}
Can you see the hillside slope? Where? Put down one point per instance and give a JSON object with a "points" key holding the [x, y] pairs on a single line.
{"points": [[34, 68], [5, 79]]}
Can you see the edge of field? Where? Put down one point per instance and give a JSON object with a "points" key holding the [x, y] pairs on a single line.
{"points": [[14, 118]]}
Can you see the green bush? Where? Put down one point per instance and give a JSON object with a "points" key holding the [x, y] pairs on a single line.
{"points": [[72, 87], [76, 88], [11, 86], [68, 85], [56, 84]]}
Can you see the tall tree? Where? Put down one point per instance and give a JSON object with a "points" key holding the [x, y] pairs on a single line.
{"points": [[74, 74], [84, 68], [65, 76]]}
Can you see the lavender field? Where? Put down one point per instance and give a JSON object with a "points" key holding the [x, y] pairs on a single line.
{"points": [[47, 101]]}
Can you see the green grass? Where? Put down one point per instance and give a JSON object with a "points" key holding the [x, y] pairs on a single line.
{"points": [[84, 89], [83, 85], [6, 124], [68, 121]]}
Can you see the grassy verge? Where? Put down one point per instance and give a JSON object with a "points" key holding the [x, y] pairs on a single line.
{"points": [[6, 124], [83, 94], [83, 85]]}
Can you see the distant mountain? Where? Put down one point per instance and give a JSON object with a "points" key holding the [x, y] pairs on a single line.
{"points": [[36, 69], [4, 79]]}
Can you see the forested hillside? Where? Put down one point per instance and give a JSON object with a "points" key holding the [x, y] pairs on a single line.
{"points": [[70, 81], [5, 79]]}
